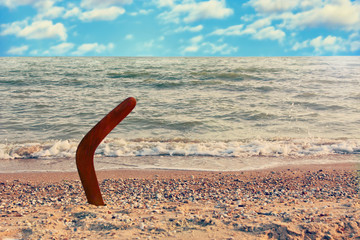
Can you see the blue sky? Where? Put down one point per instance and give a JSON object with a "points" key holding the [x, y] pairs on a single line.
{"points": [[179, 27]]}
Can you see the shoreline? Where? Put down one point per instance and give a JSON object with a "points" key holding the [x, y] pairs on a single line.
{"points": [[320, 201], [59, 176]]}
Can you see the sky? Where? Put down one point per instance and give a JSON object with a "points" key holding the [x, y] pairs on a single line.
{"points": [[180, 28]]}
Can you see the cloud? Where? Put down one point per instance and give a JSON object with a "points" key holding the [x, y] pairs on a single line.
{"points": [[13, 28], [74, 12], [191, 49], [223, 49], [18, 50], [260, 23], [164, 3], [44, 29], [273, 6], [91, 4], [354, 46], [197, 28], [259, 34], [270, 33], [103, 14], [300, 45], [61, 48], [343, 14], [197, 44], [323, 45], [211, 48], [47, 10], [190, 11], [298, 14], [149, 44], [235, 30], [141, 12], [51, 13], [92, 47], [37, 30], [129, 37], [328, 44], [196, 39], [17, 3]]}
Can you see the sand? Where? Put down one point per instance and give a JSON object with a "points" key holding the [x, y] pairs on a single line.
{"points": [[297, 202]]}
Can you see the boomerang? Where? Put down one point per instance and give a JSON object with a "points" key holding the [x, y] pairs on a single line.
{"points": [[86, 149]]}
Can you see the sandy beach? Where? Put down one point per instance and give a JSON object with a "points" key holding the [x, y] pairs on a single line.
{"points": [[297, 202]]}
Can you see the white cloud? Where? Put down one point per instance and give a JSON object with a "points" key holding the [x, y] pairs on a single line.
{"points": [[354, 46], [190, 11], [210, 48], [74, 12], [13, 28], [16, 3], [270, 33], [196, 39], [260, 34], [342, 14], [92, 47], [104, 14], [223, 49], [197, 45], [164, 3], [273, 6], [18, 50], [34, 52], [308, 4], [37, 30], [47, 10], [194, 44], [197, 28], [191, 49], [300, 45], [328, 44], [51, 13], [141, 12], [129, 37], [260, 23], [235, 30], [322, 45], [91, 4], [149, 44], [61, 48], [296, 15], [44, 29]]}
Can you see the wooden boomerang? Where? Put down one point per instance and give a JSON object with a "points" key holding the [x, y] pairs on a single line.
{"points": [[86, 149]]}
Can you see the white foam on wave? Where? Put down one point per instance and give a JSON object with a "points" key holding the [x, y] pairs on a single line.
{"points": [[48, 150], [176, 147]]}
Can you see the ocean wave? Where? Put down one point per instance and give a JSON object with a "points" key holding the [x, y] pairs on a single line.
{"points": [[186, 147], [130, 74], [235, 76]]}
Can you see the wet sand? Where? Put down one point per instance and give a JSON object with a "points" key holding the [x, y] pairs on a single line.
{"points": [[296, 202]]}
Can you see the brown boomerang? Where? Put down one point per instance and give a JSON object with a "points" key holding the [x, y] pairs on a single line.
{"points": [[86, 149]]}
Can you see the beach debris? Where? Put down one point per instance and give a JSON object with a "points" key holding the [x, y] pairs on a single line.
{"points": [[86, 149]]}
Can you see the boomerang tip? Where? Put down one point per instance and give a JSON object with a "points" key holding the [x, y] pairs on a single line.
{"points": [[132, 100]]}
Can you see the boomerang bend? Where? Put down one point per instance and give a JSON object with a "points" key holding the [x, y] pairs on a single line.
{"points": [[86, 149]]}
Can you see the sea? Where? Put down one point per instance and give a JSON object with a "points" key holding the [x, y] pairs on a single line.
{"points": [[192, 113]]}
